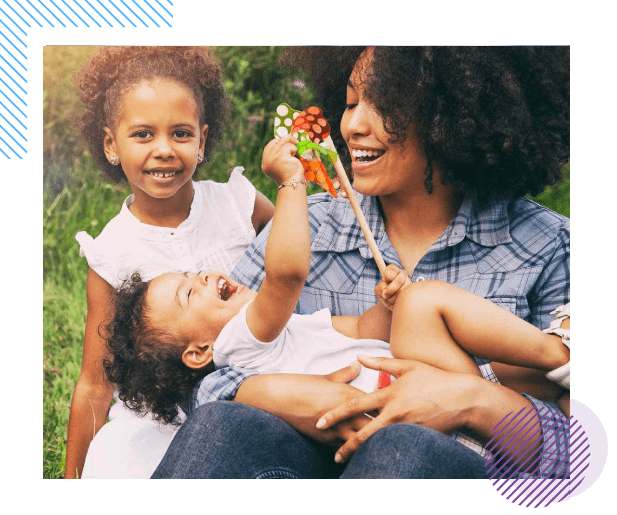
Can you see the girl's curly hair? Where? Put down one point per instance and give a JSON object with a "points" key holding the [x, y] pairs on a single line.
{"points": [[494, 119], [146, 363], [112, 71]]}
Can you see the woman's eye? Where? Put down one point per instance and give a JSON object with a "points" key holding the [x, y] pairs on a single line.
{"points": [[189, 294]]}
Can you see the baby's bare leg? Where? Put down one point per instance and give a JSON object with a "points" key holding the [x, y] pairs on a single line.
{"points": [[433, 320], [419, 331]]}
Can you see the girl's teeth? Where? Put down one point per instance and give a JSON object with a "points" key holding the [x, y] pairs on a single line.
{"points": [[163, 175]]}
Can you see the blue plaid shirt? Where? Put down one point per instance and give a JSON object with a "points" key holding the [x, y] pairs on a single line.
{"points": [[513, 252]]}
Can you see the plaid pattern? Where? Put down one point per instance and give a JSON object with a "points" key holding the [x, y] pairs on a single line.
{"points": [[220, 385], [513, 252]]}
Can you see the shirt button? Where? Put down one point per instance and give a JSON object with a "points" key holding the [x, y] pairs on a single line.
{"points": [[421, 278]]}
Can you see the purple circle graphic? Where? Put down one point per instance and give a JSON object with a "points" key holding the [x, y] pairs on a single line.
{"points": [[588, 450]]}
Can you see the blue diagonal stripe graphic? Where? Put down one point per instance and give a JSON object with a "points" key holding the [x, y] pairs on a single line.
{"points": [[18, 17], [134, 14], [73, 11], [120, 11], [89, 15], [141, 9], [63, 13]]}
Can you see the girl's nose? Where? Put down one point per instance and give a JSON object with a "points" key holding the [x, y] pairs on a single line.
{"points": [[164, 147]]}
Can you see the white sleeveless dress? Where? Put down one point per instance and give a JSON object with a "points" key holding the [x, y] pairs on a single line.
{"points": [[213, 237]]}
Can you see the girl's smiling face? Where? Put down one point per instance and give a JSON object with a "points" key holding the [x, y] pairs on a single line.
{"points": [[157, 137], [379, 167]]}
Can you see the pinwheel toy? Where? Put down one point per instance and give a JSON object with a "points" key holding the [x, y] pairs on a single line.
{"points": [[311, 128]]}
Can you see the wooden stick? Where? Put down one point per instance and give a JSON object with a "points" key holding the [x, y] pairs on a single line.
{"points": [[345, 184]]}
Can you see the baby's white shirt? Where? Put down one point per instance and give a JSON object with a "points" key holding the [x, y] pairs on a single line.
{"points": [[308, 345], [213, 237]]}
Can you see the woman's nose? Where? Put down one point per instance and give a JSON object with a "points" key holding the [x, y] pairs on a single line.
{"points": [[358, 120]]}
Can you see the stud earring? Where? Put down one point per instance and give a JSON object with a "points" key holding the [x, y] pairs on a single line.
{"points": [[113, 160], [200, 158]]}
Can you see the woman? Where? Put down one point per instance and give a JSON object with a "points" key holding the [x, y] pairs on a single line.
{"points": [[443, 142]]}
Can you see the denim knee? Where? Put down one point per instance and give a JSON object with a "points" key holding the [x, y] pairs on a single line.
{"points": [[232, 440], [409, 451]]}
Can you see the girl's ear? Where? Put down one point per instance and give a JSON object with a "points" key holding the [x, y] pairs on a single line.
{"points": [[203, 136], [197, 355], [109, 144]]}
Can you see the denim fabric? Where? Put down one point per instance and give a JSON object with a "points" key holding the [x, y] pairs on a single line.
{"points": [[230, 440], [233, 441]]}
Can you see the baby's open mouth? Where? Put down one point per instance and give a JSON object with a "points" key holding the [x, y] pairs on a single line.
{"points": [[225, 290], [366, 156]]}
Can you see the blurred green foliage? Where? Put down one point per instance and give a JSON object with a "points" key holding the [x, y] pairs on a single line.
{"points": [[79, 197]]}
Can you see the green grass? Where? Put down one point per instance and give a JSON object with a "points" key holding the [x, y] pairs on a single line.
{"points": [[87, 203]]}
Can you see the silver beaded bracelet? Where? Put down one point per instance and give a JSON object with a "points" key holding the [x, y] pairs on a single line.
{"points": [[293, 183]]}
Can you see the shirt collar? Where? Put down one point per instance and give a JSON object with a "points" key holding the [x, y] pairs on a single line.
{"points": [[487, 225], [162, 234]]}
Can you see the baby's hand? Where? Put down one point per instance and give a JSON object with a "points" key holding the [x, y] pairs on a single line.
{"points": [[393, 281], [279, 162]]}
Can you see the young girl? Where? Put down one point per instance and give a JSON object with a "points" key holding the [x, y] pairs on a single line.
{"points": [[188, 324], [151, 115]]}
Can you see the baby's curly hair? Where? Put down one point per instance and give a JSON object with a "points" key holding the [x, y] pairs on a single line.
{"points": [[494, 119], [112, 71], [146, 363]]}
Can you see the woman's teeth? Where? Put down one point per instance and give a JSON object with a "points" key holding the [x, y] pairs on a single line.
{"points": [[367, 155]]}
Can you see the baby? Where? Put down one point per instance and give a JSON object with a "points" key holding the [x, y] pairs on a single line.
{"points": [[169, 333]]}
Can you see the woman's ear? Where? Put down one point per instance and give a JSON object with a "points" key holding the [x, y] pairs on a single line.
{"points": [[198, 355], [203, 136], [109, 144]]}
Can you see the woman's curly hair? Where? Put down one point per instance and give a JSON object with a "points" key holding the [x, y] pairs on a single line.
{"points": [[146, 363], [494, 119], [112, 71]]}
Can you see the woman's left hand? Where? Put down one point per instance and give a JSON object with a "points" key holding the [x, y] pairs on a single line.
{"points": [[421, 394]]}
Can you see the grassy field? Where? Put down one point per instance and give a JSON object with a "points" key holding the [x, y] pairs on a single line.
{"points": [[88, 205], [78, 197]]}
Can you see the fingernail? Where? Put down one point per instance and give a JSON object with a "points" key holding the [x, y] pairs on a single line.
{"points": [[338, 458], [321, 423]]}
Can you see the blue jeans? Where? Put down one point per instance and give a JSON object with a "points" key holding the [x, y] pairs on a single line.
{"points": [[232, 440]]}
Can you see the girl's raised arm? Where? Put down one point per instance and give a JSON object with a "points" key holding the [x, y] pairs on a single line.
{"points": [[93, 393], [288, 251], [262, 212]]}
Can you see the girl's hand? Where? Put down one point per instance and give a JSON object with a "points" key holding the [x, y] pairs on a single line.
{"points": [[279, 162], [421, 394], [392, 283]]}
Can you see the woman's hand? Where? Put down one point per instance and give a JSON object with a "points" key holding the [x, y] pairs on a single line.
{"points": [[421, 394], [279, 161], [301, 399], [392, 283]]}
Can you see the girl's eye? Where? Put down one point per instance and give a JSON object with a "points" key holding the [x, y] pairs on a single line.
{"points": [[189, 294], [182, 134], [141, 134], [350, 106]]}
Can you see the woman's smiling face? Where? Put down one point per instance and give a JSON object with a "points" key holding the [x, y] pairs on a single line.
{"points": [[379, 167]]}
